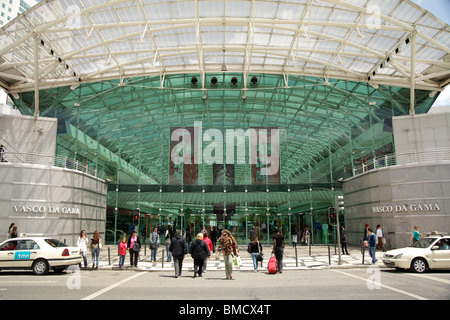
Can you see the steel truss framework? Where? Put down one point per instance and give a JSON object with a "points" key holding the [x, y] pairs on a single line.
{"points": [[119, 74]]}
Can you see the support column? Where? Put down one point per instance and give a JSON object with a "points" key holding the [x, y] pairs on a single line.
{"points": [[36, 76], [413, 74]]}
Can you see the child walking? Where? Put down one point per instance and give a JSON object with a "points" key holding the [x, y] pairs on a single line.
{"points": [[122, 251]]}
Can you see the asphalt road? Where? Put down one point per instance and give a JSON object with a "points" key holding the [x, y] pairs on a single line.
{"points": [[329, 284]]}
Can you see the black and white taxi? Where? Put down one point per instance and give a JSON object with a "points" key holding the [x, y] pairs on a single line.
{"points": [[431, 252], [40, 254]]}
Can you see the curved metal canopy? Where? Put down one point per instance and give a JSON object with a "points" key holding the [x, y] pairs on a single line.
{"points": [[381, 42]]}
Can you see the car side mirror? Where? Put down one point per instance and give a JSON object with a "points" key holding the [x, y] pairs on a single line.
{"points": [[435, 248]]}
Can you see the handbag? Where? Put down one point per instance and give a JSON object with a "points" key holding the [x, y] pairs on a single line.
{"points": [[237, 261], [136, 247], [152, 246], [260, 257]]}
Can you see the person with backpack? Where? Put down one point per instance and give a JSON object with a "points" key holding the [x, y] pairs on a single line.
{"points": [[178, 248]]}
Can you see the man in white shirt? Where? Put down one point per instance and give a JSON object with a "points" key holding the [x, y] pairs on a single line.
{"points": [[380, 241]]}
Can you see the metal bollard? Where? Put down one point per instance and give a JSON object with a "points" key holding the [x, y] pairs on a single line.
{"points": [[109, 256], [296, 257], [329, 255], [162, 258], [363, 249]]}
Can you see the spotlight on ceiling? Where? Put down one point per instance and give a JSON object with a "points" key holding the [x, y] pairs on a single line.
{"points": [[234, 81], [194, 81], [214, 81], [254, 81]]}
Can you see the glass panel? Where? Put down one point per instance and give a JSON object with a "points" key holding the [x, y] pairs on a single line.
{"points": [[313, 131]]}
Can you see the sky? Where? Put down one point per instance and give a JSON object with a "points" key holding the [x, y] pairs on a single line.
{"points": [[441, 9]]}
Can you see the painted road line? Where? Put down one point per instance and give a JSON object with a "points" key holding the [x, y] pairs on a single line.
{"points": [[444, 281], [100, 292], [415, 296]]}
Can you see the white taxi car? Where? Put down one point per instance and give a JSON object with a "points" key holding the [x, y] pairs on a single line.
{"points": [[431, 252], [39, 254]]}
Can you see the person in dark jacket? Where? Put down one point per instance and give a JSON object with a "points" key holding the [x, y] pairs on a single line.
{"points": [[343, 235], [199, 252], [134, 247], [178, 248]]}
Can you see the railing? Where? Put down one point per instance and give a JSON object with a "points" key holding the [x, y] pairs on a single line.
{"points": [[429, 155], [55, 161]]}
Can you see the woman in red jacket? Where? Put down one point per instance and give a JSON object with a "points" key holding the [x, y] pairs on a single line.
{"points": [[210, 247], [122, 251]]}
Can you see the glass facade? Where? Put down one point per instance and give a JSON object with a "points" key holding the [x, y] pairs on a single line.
{"points": [[173, 150]]}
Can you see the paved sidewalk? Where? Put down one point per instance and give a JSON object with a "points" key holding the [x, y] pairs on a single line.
{"points": [[319, 259]]}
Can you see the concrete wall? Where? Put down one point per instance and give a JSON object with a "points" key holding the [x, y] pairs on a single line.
{"points": [[399, 198], [415, 192], [25, 134], [51, 201], [421, 133]]}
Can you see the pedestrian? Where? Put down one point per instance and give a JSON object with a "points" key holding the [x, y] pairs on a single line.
{"points": [[14, 233], [307, 235], [178, 248], [2, 152], [366, 234], [372, 245], [167, 239], [229, 249], [11, 226], [134, 247], [294, 234], [82, 243], [210, 247], [278, 248], [252, 233], [199, 252], [122, 251], [95, 246], [255, 249], [343, 235], [154, 243], [380, 238], [416, 236], [187, 236], [213, 236]]}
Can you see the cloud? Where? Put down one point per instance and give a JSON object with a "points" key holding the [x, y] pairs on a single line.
{"points": [[443, 99]]}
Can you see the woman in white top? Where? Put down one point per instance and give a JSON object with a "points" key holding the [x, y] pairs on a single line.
{"points": [[82, 244]]}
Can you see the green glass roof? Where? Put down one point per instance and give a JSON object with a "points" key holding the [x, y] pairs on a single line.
{"points": [[323, 121]]}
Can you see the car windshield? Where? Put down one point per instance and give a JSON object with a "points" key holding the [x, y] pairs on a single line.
{"points": [[55, 243], [423, 243]]}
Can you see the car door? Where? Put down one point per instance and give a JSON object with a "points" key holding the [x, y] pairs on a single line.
{"points": [[27, 250], [7, 253], [440, 258]]}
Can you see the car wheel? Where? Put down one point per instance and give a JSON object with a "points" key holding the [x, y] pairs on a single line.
{"points": [[419, 265], [40, 267]]}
